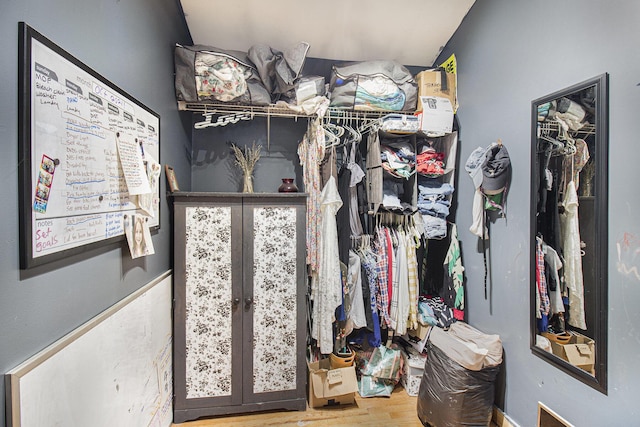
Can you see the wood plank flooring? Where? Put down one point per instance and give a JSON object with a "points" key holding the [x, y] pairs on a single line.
{"points": [[399, 410]]}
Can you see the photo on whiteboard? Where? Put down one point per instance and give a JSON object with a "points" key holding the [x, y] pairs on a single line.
{"points": [[171, 178], [138, 235]]}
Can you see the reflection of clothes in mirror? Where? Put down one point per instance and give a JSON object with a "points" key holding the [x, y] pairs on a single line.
{"points": [[573, 257]]}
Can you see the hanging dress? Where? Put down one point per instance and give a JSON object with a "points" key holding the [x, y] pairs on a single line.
{"points": [[573, 258], [327, 295], [311, 152]]}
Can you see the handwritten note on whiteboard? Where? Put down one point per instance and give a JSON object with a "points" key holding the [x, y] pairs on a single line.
{"points": [[132, 163], [84, 146]]}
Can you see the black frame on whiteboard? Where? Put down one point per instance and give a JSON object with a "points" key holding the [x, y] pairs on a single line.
{"points": [[26, 147]]}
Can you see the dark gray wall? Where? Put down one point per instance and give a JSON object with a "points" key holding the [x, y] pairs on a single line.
{"points": [[130, 44], [213, 167], [509, 53]]}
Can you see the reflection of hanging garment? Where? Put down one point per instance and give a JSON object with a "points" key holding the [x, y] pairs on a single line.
{"points": [[548, 221], [552, 259], [542, 296], [573, 259], [572, 165], [328, 294]]}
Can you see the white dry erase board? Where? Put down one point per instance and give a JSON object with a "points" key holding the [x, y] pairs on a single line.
{"points": [[115, 370], [85, 149]]}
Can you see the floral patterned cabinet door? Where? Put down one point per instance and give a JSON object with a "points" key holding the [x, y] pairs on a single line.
{"points": [[239, 314]]}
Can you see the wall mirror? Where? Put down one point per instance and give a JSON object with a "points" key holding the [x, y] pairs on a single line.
{"points": [[569, 165]]}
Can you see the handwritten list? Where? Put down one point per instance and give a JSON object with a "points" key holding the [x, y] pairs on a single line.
{"points": [[96, 138]]}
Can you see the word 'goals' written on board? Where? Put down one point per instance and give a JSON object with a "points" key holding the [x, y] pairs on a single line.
{"points": [[90, 155]]}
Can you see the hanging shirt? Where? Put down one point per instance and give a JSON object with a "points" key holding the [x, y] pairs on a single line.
{"points": [[357, 174], [328, 295], [478, 227], [356, 317], [454, 273], [382, 269], [573, 258]]}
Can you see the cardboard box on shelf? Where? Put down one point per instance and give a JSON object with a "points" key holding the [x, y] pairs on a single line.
{"points": [[580, 351], [436, 118], [328, 386], [430, 84]]}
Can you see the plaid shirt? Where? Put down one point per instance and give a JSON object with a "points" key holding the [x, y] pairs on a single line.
{"points": [[382, 266], [541, 280]]}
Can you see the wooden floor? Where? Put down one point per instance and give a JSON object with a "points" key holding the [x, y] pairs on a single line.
{"points": [[399, 410]]}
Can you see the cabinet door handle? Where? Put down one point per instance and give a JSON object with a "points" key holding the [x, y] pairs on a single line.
{"points": [[235, 302], [248, 302]]}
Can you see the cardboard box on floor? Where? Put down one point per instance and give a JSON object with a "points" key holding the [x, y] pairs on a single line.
{"points": [[331, 386], [413, 370], [579, 351]]}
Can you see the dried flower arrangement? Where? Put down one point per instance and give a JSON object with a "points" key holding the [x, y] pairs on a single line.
{"points": [[246, 159]]}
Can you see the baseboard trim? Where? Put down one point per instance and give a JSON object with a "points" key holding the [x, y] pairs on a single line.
{"points": [[500, 419]]}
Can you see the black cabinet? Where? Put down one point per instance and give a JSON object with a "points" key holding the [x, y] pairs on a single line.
{"points": [[239, 303]]}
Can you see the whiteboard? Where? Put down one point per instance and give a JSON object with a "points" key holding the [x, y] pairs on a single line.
{"points": [[87, 152], [115, 370]]}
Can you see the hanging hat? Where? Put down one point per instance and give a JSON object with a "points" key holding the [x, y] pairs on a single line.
{"points": [[496, 169], [473, 166]]}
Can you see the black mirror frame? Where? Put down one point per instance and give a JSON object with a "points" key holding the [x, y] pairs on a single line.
{"points": [[599, 381]]}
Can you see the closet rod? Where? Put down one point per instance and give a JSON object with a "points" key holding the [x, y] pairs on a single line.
{"points": [[280, 111]]}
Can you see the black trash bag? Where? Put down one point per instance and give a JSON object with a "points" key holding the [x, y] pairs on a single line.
{"points": [[451, 395]]}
